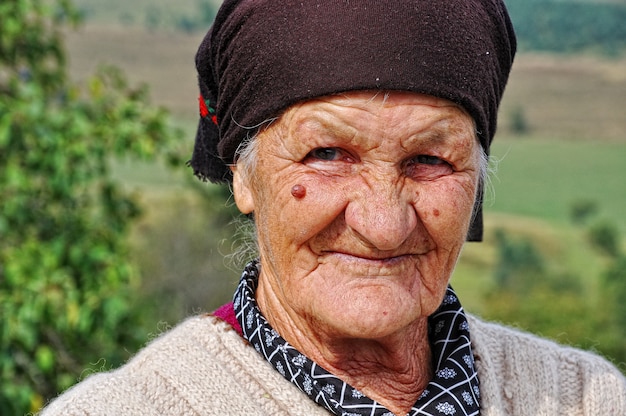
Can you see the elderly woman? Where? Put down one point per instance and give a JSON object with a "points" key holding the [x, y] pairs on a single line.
{"points": [[356, 134]]}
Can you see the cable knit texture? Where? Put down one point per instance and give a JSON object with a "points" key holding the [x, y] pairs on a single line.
{"points": [[203, 367]]}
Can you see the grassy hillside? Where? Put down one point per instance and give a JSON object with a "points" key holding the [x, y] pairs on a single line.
{"points": [[569, 26], [578, 97], [182, 15], [543, 178], [537, 184]]}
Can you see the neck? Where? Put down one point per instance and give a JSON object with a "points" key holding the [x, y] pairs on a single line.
{"points": [[393, 370]]}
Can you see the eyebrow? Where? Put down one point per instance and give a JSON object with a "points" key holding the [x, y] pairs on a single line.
{"points": [[328, 123], [434, 136]]}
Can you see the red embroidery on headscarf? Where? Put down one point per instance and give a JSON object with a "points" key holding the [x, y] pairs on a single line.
{"points": [[204, 110]]}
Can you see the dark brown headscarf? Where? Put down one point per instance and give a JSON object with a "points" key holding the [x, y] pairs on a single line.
{"points": [[262, 56]]}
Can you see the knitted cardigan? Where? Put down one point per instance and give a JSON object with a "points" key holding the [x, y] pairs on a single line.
{"points": [[203, 367]]}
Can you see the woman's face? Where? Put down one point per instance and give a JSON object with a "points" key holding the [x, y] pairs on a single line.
{"points": [[365, 243]]}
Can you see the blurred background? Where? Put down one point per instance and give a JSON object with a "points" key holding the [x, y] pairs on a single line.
{"points": [[106, 239]]}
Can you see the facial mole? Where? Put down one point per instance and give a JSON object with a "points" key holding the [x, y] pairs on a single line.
{"points": [[436, 212], [298, 191]]}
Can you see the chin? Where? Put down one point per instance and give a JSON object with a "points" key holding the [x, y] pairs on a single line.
{"points": [[376, 320]]}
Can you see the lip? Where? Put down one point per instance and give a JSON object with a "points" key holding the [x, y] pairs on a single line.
{"points": [[371, 259]]}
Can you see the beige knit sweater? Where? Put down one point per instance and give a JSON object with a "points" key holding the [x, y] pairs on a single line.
{"points": [[203, 367]]}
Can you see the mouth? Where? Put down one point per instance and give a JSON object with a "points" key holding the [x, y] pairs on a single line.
{"points": [[371, 259], [394, 266]]}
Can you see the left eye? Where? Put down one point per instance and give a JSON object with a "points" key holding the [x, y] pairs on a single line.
{"points": [[429, 160], [427, 167]]}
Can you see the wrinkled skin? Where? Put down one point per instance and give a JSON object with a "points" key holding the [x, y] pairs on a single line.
{"points": [[352, 267]]}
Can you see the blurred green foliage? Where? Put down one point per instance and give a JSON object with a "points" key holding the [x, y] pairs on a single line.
{"points": [[534, 295], [201, 20], [65, 277], [519, 122], [581, 210], [605, 237], [569, 26]]}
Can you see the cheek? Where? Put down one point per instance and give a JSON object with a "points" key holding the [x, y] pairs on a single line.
{"points": [[295, 212], [319, 200], [286, 226], [445, 209]]}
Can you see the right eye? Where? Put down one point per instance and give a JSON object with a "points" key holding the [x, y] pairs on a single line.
{"points": [[328, 154]]}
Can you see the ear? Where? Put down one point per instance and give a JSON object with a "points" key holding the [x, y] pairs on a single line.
{"points": [[242, 191]]}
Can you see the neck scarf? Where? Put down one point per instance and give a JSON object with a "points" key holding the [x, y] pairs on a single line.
{"points": [[453, 391]]}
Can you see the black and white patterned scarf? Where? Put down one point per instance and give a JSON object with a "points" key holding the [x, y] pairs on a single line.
{"points": [[452, 392]]}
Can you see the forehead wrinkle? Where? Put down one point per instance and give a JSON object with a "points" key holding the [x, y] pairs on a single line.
{"points": [[397, 117], [320, 120], [338, 116], [351, 120], [436, 131]]}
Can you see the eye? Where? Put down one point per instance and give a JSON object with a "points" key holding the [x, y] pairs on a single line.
{"points": [[427, 167], [328, 154], [324, 153], [429, 160]]}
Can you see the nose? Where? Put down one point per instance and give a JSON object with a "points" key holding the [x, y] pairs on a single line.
{"points": [[381, 212]]}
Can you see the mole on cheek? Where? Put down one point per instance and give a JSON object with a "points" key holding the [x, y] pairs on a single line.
{"points": [[298, 191], [436, 212]]}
